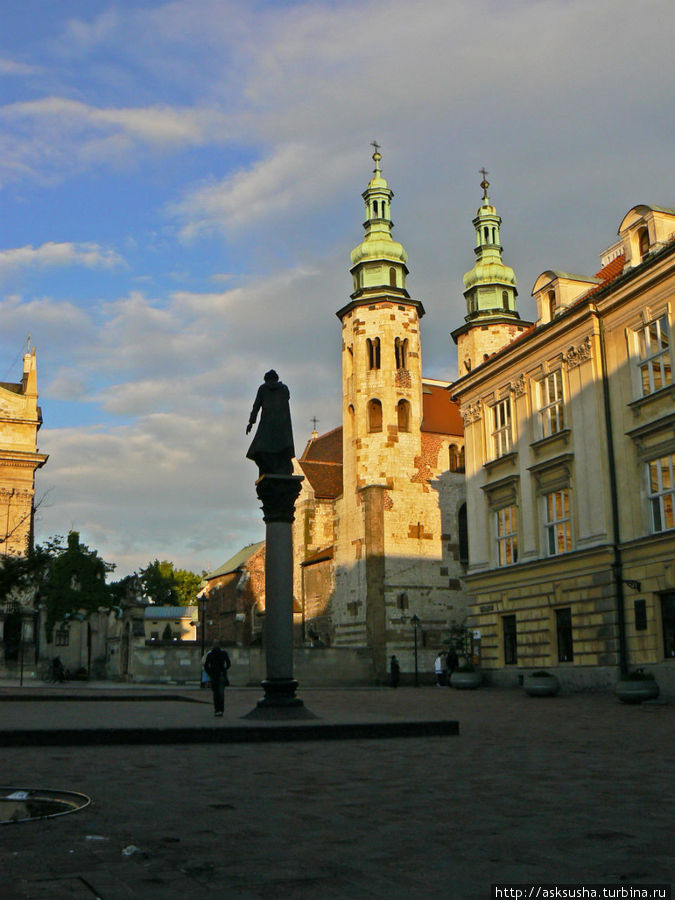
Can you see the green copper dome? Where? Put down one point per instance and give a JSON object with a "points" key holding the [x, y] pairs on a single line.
{"points": [[378, 242], [490, 286]]}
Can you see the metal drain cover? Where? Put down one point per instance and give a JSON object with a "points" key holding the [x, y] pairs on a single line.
{"points": [[29, 804]]}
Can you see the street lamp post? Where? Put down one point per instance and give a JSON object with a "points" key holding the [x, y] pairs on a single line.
{"points": [[415, 620]]}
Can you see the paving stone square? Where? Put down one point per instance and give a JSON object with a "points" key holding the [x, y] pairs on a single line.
{"points": [[575, 789]]}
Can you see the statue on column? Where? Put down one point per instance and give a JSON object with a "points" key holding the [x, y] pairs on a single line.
{"points": [[272, 447]]}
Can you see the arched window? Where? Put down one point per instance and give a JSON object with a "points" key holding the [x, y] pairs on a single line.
{"points": [[551, 304], [454, 457], [373, 347], [486, 234], [401, 353], [461, 466], [463, 534], [643, 242], [375, 208], [494, 235], [374, 416], [392, 277], [403, 415], [350, 421], [505, 299]]}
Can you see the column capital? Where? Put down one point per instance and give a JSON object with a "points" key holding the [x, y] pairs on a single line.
{"points": [[278, 494]]}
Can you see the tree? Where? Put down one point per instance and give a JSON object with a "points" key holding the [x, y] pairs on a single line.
{"points": [[63, 579], [166, 586], [74, 580]]}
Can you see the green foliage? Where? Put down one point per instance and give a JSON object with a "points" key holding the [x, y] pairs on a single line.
{"points": [[74, 580], [166, 586], [64, 579]]}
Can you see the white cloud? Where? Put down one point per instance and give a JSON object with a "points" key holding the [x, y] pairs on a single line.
{"points": [[12, 67], [52, 253]]}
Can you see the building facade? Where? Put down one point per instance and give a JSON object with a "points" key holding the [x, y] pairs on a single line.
{"points": [[570, 443]]}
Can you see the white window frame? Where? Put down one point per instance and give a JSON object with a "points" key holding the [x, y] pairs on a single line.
{"points": [[501, 436], [661, 493], [506, 530], [551, 404], [557, 522], [653, 356]]}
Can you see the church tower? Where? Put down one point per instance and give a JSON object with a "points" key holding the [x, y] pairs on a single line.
{"points": [[381, 416], [381, 356], [490, 292]]}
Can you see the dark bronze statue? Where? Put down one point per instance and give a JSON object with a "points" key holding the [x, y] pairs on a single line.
{"points": [[272, 447]]}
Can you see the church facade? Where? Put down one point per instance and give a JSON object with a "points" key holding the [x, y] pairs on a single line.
{"points": [[379, 554], [20, 421]]}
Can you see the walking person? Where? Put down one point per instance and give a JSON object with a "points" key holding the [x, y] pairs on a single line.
{"points": [[451, 662], [395, 671], [439, 669], [216, 664]]}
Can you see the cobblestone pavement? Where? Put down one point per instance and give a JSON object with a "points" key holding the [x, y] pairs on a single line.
{"points": [[575, 789]]}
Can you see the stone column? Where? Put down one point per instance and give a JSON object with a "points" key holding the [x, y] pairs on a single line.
{"points": [[278, 494]]}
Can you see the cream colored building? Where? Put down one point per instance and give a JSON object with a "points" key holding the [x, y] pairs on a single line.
{"points": [[20, 420], [377, 524], [570, 455]]}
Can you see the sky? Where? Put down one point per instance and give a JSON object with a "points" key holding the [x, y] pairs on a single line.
{"points": [[180, 189]]}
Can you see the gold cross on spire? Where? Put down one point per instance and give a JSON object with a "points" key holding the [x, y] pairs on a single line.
{"points": [[377, 156], [485, 184]]}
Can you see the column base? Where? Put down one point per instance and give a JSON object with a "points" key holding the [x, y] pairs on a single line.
{"points": [[280, 701]]}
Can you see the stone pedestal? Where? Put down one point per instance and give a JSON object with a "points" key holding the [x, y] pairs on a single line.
{"points": [[278, 494]]}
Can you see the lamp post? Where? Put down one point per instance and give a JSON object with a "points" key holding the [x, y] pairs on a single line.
{"points": [[415, 621]]}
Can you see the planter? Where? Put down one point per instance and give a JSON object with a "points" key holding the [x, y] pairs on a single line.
{"points": [[538, 685], [464, 681], [635, 691]]}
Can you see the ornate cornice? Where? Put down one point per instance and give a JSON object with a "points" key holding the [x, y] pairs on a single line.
{"points": [[577, 355], [470, 413], [517, 387]]}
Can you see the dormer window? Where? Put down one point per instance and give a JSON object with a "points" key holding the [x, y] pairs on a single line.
{"points": [[643, 243], [551, 304]]}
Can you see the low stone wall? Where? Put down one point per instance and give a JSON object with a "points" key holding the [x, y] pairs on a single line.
{"points": [[181, 663]]}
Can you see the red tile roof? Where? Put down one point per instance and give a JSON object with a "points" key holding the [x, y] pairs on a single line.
{"points": [[612, 269], [325, 478], [319, 556], [440, 414], [325, 448]]}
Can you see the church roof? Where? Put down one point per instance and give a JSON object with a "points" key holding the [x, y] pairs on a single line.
{"points": [[324, 477], [318, 556], [440, 414], [325, 448], [235, 562]]}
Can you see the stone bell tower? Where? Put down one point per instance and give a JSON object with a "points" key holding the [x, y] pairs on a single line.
{"points": [[382, 407]]}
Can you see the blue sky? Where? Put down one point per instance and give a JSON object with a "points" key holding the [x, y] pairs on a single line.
{"points": [[180, 190]]}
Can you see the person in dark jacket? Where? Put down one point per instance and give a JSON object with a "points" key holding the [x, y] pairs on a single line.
{"points": [[395, 671], [272, 447], [216, 664]]}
